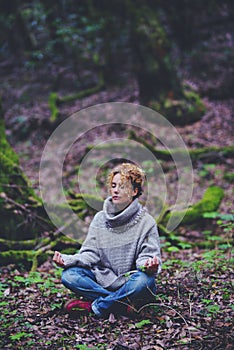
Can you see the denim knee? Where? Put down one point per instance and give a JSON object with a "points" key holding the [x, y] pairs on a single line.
{"points": [[143, 282], [72, 274], [67, 277]]}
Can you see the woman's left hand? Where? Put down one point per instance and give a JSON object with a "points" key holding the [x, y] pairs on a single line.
{"points": [[151, 265]]}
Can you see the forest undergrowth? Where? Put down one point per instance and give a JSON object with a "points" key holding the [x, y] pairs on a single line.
{"points": [[193, 309]]}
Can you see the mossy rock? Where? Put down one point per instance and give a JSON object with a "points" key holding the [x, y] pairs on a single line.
{"points": [[220, 153], [5, 147], [6, 244], [185, 110], [13, 181], [23, 257], [31, 253], [19, 205], [85, 204], [210, 202], [54, 100]]}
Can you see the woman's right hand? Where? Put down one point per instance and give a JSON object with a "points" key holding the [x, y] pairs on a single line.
{"points": [[57, 258]]}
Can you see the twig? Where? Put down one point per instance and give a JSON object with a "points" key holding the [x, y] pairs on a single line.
{"points": [[159, 304], [22, 207]]}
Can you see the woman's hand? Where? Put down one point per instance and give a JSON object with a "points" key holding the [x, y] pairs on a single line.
{"points": [[57, 258], [151, 265]]}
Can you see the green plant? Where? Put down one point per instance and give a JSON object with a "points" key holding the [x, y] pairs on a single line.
{"points": [[185, 245], [173, 249], [168, 264], [142, 323], [20, 335], [83, 347], [207, 301], [225, 222], [148, 165], [3, 303], [206, 170], [32, 278], [55, 306], [213, 309]]}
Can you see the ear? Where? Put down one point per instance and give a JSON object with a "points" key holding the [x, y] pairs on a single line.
{"points": [[134, 192]]}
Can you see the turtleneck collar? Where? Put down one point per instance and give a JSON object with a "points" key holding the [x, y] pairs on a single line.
{"points": [[117, 219]]}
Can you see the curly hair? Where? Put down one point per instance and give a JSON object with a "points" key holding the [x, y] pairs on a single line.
{"points": [[129, 172]]}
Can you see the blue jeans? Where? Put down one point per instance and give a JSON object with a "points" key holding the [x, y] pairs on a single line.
{"points": [[138, 290]]}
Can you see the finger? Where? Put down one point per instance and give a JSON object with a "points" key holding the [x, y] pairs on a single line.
{"points": [[59, 263], [57, 258], [56, 254], [152, 264], [149, 266]]}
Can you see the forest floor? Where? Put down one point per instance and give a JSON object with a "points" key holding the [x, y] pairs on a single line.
{"points": [[194, 302]]}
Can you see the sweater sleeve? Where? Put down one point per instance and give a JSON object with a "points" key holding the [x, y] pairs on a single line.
{"points": [[88, 255], [150, 247]]}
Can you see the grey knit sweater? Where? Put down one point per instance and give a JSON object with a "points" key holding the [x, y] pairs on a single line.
{"points": [[117, 243]]}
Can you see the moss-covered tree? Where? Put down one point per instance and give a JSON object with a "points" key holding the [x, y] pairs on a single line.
{"points": [[159, 84], [21, 210]]}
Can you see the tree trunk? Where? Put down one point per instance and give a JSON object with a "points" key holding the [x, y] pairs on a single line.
{"points": [[16, 32], [159, 85], [151, 53], [54, 12], [21, 211]]}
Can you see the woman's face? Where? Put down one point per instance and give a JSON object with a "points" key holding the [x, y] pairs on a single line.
{"points": [[121, 193]]}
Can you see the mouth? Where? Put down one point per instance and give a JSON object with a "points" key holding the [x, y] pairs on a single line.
{"points": [[115, 198]]}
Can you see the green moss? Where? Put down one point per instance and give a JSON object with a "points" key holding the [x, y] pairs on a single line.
{"points": [[15, 255], [6, 244], [62, 241], [229, 177], [69, 251], [195, 154], [193, 97], [84, 197], [211, 200], [82, 94], [18, 200], [5, 147], [77, 205], [52, 102], [226, 152], [13, 180], [186, 109], [28, 258], [209, 203]]}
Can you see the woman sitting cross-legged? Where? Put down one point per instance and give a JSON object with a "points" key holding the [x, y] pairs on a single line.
{"points": [[116, 267]]}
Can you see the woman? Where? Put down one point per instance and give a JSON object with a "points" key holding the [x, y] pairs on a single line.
{"points": [[116, 266]]}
